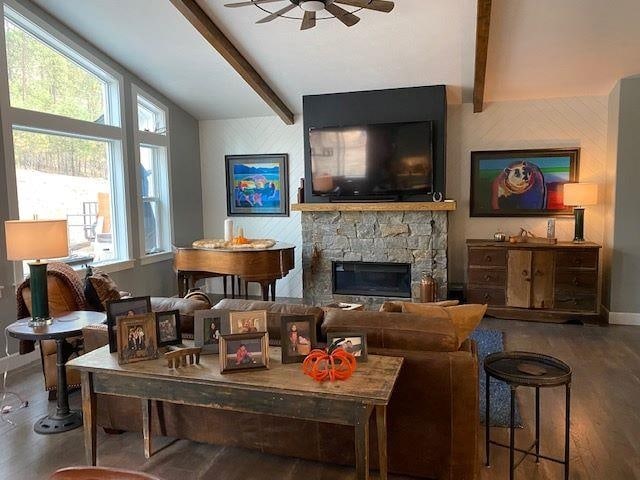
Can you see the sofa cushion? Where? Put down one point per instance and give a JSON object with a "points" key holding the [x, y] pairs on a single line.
{"points": [[274, 312], [396, 305], [397, 331], [464, 318]]}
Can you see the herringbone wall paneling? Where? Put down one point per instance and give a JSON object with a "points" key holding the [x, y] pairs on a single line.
{"points": [[243, 137], [559, 122]]}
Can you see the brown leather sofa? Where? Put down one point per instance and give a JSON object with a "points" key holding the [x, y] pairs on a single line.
{"points": [[62, 300], [432, 419]]}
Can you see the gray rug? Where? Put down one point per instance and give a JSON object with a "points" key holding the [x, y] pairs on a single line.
{"points": [[490, 341]]}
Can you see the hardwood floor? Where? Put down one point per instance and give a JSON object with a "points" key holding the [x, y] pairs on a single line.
{"points": [[605, 433]]}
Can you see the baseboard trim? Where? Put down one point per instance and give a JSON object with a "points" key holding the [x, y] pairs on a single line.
{"points": [[16, 360], [623, 318]]}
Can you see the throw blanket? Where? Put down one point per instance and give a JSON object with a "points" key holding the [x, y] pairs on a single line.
{"points": [[69, 279]]}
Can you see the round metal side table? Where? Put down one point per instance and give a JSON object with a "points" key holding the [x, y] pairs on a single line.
{"points": [[64, 326], [525, 369]]}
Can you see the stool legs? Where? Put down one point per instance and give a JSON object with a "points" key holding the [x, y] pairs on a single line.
{"points": [[512, 434], [487, 438], [537, 424], [567, 427]]}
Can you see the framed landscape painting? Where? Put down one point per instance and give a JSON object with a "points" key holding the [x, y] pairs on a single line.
{"points": [[518, 183], [257, 185]]}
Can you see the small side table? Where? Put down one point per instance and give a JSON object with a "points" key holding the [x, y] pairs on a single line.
{"points": [[524, 369], [63, 327]]}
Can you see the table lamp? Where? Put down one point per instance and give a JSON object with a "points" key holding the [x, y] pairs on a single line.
{"points": [[37, 239], [578, 195]]}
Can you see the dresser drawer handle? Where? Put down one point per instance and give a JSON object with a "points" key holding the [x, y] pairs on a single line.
{"points": [[487, 278], [487, 258], [576, 282], [487, 297], [577, 261], [525, 274]]}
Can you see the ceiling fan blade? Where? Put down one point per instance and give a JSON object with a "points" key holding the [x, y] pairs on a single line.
{"points": [[377, 5], [308, 21], [349, 19], [275, 15], [246, 4]]}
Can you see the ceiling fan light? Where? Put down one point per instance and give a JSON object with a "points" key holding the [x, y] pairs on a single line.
{"points": [[312, 5]]}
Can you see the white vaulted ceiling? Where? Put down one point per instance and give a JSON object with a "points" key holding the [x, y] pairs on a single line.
{"points": [[537, 49]]}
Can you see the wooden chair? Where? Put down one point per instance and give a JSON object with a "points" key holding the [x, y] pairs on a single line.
{"points": [[99, 473]]}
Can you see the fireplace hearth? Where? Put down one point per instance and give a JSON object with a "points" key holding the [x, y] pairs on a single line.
{"points": [[417, 240]]}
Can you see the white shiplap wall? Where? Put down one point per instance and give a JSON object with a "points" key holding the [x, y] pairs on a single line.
{"points": [[558, 122], [243, 137]]}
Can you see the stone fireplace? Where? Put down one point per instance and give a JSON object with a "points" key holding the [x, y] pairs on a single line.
{"points": [[417, 239]]}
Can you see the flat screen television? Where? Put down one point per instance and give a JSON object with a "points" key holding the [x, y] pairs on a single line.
{"points": [[377, 161]]}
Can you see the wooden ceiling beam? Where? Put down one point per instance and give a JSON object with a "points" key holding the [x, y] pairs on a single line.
{"points": [[218, 40], [482, 47]]}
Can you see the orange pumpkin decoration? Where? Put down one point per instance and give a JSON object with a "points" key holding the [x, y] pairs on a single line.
{"points": [[334, 363]]}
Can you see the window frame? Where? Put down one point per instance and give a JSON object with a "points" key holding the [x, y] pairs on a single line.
{"points": [[143, 138], [114, 134]]}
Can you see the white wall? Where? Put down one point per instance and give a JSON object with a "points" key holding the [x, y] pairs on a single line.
{"points": [[558, 122], [252, 136]]}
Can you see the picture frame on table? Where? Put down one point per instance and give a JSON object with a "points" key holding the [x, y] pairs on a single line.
{"points": [[136, 338], [298, 335], [522, 183], [244, 351], [168, 328], [354, 343], [208, 327], [122, 308], [251, 321], [257, 185]]}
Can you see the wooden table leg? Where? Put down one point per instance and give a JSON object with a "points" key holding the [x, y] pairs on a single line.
{"points": [[146, 426], [362, 448], [89, 414], [381, 424], [273, 291]]}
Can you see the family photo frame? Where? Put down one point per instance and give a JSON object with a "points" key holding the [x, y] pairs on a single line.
{"points": [[122, 308], [168, 328], [354, 343], [136, 338], [244, 351], [251, 321], [208, 328], [298, 334]]}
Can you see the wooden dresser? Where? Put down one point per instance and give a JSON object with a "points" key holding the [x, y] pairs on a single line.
{"points": [[523, 281]]}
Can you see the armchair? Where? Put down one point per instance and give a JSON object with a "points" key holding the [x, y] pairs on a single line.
{"points": [[65, 290]]}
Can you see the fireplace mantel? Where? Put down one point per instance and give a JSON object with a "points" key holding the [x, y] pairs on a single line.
{"points": [[447, 205]]}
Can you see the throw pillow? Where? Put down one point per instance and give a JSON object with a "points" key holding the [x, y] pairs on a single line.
{"points": [[465, 318], [395, 306], [100, 288]]}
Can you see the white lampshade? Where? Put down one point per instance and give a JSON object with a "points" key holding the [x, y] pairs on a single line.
{"points": [[580, 194], [36, 239]]}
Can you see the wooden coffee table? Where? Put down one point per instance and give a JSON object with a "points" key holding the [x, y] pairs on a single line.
{"points": [[282, 390]]}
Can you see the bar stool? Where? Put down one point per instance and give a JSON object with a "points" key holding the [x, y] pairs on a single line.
{"points": [[525, 369]]}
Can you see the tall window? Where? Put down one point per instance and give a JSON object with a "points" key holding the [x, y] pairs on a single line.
{"points": [[67, 141], [152, 142]]}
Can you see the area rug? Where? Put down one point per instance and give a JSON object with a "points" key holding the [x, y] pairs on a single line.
{"points": [[490, 341]]}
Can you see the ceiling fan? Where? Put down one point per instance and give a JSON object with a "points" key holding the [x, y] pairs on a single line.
{"points": [[312, 8]]}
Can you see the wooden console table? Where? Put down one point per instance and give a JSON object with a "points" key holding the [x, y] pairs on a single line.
{"points": [[283, 390], [529, 281]]}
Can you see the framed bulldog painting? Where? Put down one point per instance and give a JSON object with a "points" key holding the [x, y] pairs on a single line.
{"points": [[257, 185], [519, 183]]}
